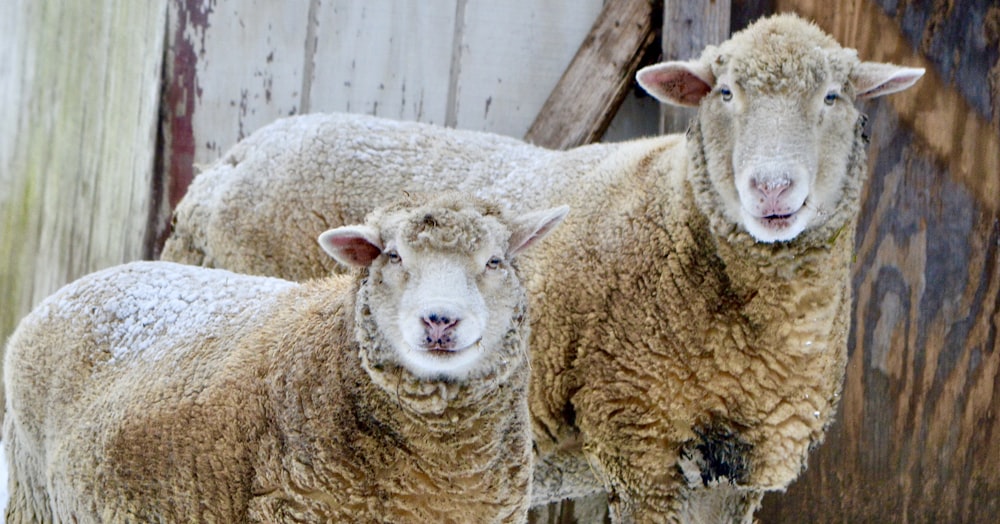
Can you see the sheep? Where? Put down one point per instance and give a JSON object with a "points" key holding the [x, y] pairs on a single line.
{"points": [[161, 392], [689, 322]]}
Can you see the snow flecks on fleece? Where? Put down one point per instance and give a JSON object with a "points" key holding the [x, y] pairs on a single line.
{"points": [[141, 310]]}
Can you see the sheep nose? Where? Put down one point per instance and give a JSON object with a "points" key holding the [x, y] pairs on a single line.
{"points": [[770, 189], [438, 330]]}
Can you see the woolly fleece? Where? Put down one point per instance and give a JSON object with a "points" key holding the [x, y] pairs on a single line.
{"points": [[156, 391], [676, 362]]}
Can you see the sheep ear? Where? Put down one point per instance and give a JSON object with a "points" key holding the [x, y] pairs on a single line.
{"points": [[677, 83], [874, 79], [352, 246], [532, 227]]}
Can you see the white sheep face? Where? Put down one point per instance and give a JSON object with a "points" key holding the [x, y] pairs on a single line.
{"points": [[786, 157], [778, 121], [431, 306], [441, 288]]}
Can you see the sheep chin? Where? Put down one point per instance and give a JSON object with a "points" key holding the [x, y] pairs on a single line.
{"points": [[774, 228], [450, 364]]}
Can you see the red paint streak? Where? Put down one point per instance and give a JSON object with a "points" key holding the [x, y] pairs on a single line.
{"points": [[180, 94]]}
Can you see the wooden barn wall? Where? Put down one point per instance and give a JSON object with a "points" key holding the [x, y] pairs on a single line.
{"points": [[916, 439], [79, 94], [83, 163], [236, 65]]}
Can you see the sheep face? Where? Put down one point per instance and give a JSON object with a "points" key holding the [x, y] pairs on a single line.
{"points": [[781, 156], [440, 288], [777, 118], [430, 305]]}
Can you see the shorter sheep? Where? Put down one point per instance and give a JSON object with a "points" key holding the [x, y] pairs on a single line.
{"points": [[158, 392]]}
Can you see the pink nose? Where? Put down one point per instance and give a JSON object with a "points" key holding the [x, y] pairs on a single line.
{"points": [[438, 331], [770, 189]]}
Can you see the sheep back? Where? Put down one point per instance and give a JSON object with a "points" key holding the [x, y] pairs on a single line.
{"points": [[136, 354], [280, 178]]}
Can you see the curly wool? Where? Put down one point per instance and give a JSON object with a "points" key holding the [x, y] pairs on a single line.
{"points": [[188, 394], [768, 57], [676, 362], [446, 226]]}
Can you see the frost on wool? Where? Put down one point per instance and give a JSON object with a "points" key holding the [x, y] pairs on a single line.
{"points": [[156, 391], [690, 319], [145, 315]]}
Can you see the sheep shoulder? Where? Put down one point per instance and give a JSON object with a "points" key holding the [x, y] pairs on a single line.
{"points": [[103, 369], [766, 354]]}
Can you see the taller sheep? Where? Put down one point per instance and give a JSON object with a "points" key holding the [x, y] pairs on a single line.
{"points": [[690, 319]]}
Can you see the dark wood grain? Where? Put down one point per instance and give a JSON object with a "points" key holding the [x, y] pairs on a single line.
{"points": [[962, 39], [587, 96], [916, 438]]}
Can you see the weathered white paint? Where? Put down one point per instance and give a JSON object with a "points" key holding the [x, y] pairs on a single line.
{"points": [[250, 61], [513, 54], [474, 64], [78, 107], [384, 57]]}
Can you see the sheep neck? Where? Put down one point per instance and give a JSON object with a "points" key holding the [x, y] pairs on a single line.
{"points": [[690, 314], [435, 400], [337, 416]]}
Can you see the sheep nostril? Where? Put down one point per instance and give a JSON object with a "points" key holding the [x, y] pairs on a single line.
{"points": [[770, 188], [439, 321], [439, 330]]}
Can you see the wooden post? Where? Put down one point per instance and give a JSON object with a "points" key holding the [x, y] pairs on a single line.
{"points": [[79, 108], [687, 28]]}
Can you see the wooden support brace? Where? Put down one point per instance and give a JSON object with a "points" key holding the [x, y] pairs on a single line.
{"points": [[587, 96]]}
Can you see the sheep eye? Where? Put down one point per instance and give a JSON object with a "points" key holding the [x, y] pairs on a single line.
{"points": [[493, 263], [830, 98], [393, 256], [727, 94]]}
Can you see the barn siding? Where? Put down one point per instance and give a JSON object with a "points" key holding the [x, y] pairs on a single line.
{"points": [[472, 64], [962, 40], [916, 437], [78, 108]]}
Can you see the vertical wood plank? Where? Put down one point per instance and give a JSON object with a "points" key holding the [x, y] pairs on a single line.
{"points": [[687, 28], [512, 55], [384, 57], [79, 90], [232, 68]]}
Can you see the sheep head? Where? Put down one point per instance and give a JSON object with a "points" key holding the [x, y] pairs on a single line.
{"points": [[777, 121], [439, 291]]}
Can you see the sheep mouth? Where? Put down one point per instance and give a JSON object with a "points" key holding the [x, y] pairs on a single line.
{"points": [[777, 221], [438, 350], [444, 351]]}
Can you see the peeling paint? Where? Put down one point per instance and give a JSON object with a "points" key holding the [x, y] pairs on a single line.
{"points": [[181, 92], [309, 60]]}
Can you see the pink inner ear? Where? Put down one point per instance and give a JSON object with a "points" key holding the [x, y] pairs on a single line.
{"points": [[674, 83], [355, 250], [872, 79], [683, 86]]}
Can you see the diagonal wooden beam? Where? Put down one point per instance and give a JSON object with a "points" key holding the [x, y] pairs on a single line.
{"points": [[587, 96]]}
